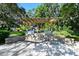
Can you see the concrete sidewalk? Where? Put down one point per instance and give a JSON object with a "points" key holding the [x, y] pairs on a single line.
{"points": [[52, 48]]}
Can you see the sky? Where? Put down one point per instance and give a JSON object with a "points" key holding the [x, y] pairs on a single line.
{"points": [[28, 6]]}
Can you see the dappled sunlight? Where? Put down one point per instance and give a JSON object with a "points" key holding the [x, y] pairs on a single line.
{"points": [[47, 30], [47, 48]]}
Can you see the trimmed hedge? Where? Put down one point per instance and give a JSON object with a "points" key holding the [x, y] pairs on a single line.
{"points": [[3, 34]]}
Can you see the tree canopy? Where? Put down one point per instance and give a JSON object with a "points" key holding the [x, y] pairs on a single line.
{"points": [[47, 10], [10, 13], [70, 14]]}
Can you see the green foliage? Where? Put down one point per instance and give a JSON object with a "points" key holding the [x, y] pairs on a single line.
{"points": [[31, 13], [63, 33], [67, 24], [24, 28], [9, 14], [75, 37], [54, 27], [3, 34], [47, 10], [47, 26], [12, 34], [75, 33], [68, 29], [70, 14]]}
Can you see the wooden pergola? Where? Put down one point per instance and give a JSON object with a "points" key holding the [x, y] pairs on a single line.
{"points": [[30, 21]]}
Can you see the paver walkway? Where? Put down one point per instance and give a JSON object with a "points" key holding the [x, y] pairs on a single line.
{"points": [[48, 48]]}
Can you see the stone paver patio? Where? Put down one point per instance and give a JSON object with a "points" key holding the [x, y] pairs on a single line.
{"points": [[51, 48]]}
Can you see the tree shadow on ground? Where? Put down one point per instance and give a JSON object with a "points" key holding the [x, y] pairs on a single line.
{"points": [[12, 50], [54, 48], [47, 48]]}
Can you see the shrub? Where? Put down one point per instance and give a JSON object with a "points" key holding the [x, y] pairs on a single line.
{"points": [[3, 34], [23, 27]]}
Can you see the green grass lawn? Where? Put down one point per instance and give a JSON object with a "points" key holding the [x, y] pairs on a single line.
{"points": [[16, 34], [67, 34], [63, 33]]}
